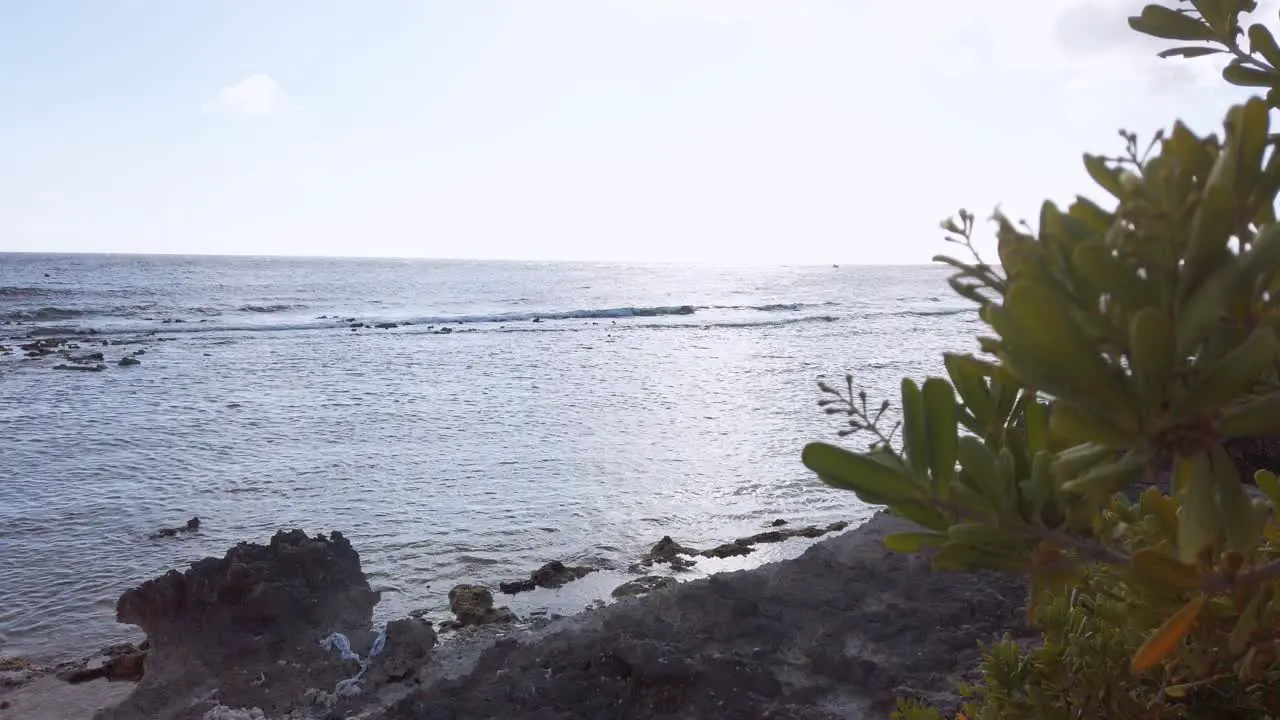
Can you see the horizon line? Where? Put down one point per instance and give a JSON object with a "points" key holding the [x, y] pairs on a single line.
{"points": [[288, 256]]}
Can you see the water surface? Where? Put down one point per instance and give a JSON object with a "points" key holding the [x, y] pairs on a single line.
{"points": [[575, 412]]}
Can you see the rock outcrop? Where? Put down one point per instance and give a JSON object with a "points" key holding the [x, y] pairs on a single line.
{"points": [[838, 632], [552, 575], [643, 585], [408, 646], [244, 630], [473, 605], [191, 525], [670, 552]]}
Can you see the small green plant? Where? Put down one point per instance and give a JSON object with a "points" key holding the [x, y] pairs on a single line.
{"points": [[1085, 444]]}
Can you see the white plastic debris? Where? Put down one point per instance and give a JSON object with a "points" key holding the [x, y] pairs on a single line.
{"points": [[222, 712], [338, 641]]}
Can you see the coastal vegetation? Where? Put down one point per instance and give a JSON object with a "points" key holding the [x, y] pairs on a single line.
{"points": [[1130, 344]]}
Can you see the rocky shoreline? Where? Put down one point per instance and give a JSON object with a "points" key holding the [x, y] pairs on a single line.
{"points": [[837, 632]]}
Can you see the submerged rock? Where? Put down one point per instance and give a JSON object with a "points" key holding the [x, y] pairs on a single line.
{"points": [[473, 605], [552, 575], [728, 550], [124, 662], [386, 326], [838, 632], [246, 627], [666, 550], [192, 525], [643, 585], [128, 360]]}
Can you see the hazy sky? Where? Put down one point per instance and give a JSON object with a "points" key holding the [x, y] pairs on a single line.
{"points": [[675, 130]]}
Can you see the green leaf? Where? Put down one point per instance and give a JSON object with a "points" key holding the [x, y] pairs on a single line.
{"points": [[1037, 489], [1251, 124], [846, 470], [914, 439], [1159, 21], [1189, 52], [1104, 175], [1156, 567], [1199, 522], [1233, 377], [1152, 354], [1262, 42], [968, 375], [920, 513], [1269, 484], [1247, 623], [1088, 212], [1104, 480], [941, 427], [1255, 417], [1238, 519], [1237, 73], [911, 542], [1036, 416], [1072, 423]]}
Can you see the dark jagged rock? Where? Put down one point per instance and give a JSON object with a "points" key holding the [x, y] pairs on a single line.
{"points": [[408, 645], [837, 526], [246, 627], [473, 605], [129, 360], [728, 550], [778, 523], [386, 326], [123, 662], [552, 575], [86, 358], [838, 632], [192, 525], [643, 585], [666, 550]]}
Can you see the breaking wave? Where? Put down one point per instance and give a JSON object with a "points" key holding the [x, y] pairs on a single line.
{"points": [[268, 308], [178, 326], [45, 314]]}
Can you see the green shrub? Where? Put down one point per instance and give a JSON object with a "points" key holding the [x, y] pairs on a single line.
{"points": [[1084, 444]]}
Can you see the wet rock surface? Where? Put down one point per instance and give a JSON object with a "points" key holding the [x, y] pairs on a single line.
{"points": [[243, 630], [552, 575], [838, 632], [643, 585], [667, 551], [125, 662], [473, 605]]}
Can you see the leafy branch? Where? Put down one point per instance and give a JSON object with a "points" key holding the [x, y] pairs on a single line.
{"points": [[861, 419]]}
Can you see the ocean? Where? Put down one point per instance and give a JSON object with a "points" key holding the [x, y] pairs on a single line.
{"points": [[571, 411]]}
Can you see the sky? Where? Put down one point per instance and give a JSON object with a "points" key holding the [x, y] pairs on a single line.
{"points": [[716, 131]]}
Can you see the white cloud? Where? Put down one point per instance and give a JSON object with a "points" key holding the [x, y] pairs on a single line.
{"points": [[257, 94]]}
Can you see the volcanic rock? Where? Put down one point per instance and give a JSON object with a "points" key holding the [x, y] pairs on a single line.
{"points": [[552, 575], [246, 627], [473, 605]]}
